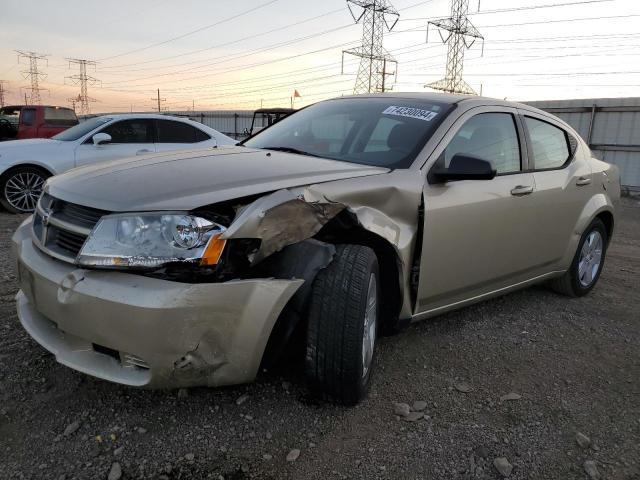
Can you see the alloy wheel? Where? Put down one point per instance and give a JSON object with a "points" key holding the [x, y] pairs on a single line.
{"points": [[22, 190]]}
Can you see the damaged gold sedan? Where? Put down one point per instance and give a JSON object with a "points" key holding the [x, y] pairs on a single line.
{"points": [[346, 220]]}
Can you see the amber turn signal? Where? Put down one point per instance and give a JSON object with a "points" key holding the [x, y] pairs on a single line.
{"points": [[213, 251]]}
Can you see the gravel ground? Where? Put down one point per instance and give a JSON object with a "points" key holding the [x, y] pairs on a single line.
{"points": [[571, 366]]}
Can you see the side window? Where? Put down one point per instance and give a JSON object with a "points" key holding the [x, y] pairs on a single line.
{"points": [[27, 116], [549, 144], [490, 136], [130, 131], [178, 132]]}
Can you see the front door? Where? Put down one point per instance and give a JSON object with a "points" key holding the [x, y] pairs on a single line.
{"points": [[476, 232], [128, 139]]}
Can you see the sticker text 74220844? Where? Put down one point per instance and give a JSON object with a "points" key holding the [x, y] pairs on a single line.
{"points": [[426, 115]]}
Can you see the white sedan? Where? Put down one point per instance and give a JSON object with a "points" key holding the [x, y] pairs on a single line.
{"points": [[26, 164]]}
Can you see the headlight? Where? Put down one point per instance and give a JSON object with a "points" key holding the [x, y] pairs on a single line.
{"points": [[149, 240]]}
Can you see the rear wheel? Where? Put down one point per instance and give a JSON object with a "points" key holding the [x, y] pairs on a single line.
{"points": [[343, 325], [587, 264], [21, 187]]}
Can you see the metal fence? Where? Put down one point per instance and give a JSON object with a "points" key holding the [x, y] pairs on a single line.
{"points": [[611, 127], [234, 124]]}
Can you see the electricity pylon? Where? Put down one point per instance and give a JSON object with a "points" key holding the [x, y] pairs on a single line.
{"points": [[33, 74], [372, 72], [460, 30], [84, 81], [2, 93]]}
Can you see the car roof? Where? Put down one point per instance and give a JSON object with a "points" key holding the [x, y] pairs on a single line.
{"points": [[452, 98], [158, 116]]}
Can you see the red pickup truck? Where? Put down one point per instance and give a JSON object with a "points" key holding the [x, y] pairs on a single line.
{"points": [[34, 121]]}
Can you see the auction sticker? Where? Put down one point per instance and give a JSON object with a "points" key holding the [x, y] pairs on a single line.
{"points": [[426, 115]]}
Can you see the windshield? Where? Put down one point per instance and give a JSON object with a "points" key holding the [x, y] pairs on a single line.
{"points": [[387, 132], [80, 130]]}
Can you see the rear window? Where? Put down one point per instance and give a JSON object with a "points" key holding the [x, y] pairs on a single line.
{"points": [[64, 117], [179, 132]]}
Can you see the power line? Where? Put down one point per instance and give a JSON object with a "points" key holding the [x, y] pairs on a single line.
{"points": [[173, 39], [225, 44]]}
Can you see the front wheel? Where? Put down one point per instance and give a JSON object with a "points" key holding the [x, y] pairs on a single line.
{"points": [[343, 325], [587, 263], [21, 187]]}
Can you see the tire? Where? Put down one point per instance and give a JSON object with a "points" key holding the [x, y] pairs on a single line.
{"points": [[31, 179], [578, 280], [341, 297]]}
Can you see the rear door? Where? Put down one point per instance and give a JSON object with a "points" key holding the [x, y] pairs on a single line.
{"points": [[129, 138], [174, 135], [477, 232], [563, 184]]}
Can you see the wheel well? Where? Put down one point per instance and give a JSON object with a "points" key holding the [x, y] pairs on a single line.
{"points": [[344, 229], [28, 165], [607, 219]]}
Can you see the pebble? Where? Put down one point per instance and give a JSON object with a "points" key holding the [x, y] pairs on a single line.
{"points": [[591, 469], [142, 430], [266, 456], [240, 400], [583, 440], [510, 396], [116, 472], [503, 466], [71, 428], [413, 416], [482, 451], [419, 405], [189, 457], [463, 387], [118, 451], [401, 409], [293, 455]]}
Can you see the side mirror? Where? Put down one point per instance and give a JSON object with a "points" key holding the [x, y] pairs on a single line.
{"points": [[465, 167], [101, 139]]}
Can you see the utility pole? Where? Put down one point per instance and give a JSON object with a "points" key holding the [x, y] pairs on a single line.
{"points": [[2, 92], [34, 74], [375, 16], [459, 29], [84, 81], [159, 100]]}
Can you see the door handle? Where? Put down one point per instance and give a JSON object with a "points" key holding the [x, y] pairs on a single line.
{"points": [[583, 181], [143, 151], [521, 190]]}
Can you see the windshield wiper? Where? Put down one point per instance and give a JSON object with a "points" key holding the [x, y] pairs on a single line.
{"points": [[291, 150]]}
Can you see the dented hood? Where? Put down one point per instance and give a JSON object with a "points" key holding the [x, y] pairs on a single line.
{"points": [[190, 179]]}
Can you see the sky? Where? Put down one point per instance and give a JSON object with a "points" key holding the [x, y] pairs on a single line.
{"points": [[222, 55]]}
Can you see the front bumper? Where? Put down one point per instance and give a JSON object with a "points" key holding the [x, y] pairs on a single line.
{"points": [[142, 331]]}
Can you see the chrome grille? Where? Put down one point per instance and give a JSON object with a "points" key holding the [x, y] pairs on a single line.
{"points": [[60, 228]]}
